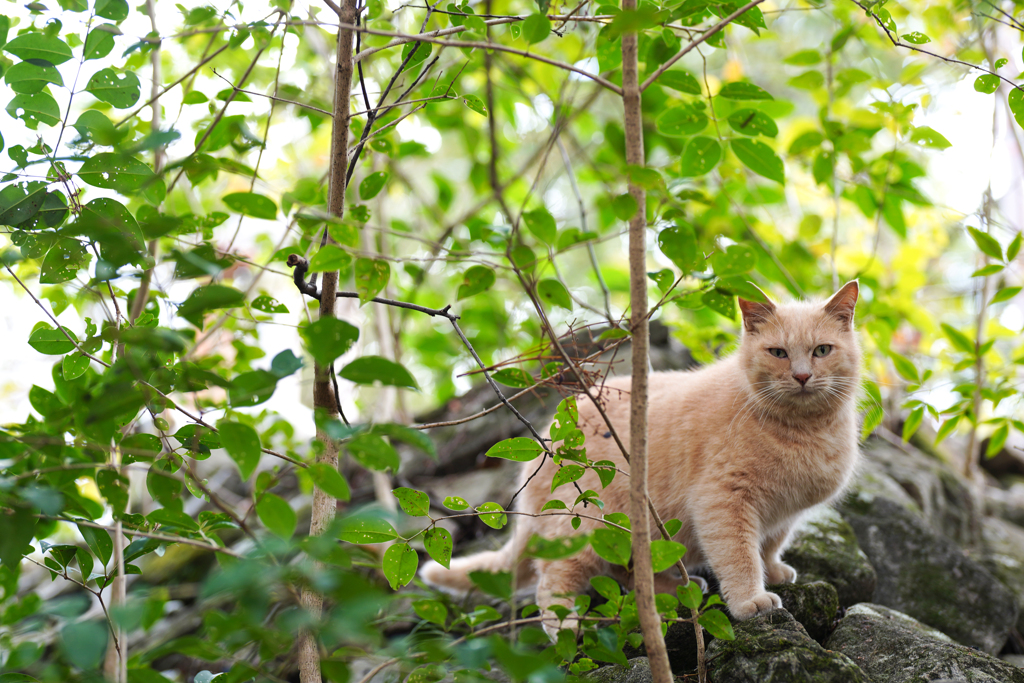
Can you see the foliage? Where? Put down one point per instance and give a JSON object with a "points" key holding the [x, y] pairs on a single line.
{"points": [[153, 227]]}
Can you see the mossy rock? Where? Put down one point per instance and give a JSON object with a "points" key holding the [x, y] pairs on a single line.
{"points": [[1003, 555], [893, 648], [925, 575], [814, 605], [774, 648], [824, 548], [638, 670]]}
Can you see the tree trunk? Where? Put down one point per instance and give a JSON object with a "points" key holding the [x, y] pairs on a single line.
{"points": [[324, 506], [650, 622]]}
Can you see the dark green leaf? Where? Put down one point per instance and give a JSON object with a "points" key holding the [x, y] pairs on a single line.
{"points": [[32, 76], [513, 377], [209, 298], [39, 46], [413, 437], [681, 121], [84, 643], [681, 81], [734, 260], [665, 554], [52, 342], [476, 279], [753, 122], [122, 91], [371, 277], [268, 304], [373, 452], [554, 292], [370, 369], [329, 479], [433, 611], [555, 548], [277, 515], [19, 202], [116, 172], [679, 244], [243, 445], [541, 224], [702, 154], [566, 474], [759, 158], [740, 90], [413, 502], [494, 515], [721, 302], [364, 528], [455, 503], [372, 184], [74, 366], [35, 108], [536, 28], [624, 207], [328, 338], [100, 41], [519, 449], [399, 564], [438, 543], [613, 545], [498, 584], [329, 258], [251, 204]]}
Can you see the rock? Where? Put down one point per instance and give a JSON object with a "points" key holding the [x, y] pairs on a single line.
{"points": [[681, 645], [893, 648], [1006, 504], [1003, 555], [1015, 660], [638, 671], [774, 648], [940, 495], [824, 548], [1008, 461], [927, 576], [814, 605]]}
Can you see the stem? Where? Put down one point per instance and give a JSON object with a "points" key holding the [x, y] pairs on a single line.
{"points": [[324, 506], [643, 574]]}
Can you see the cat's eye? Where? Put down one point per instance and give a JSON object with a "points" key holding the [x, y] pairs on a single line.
{"points": [[822, 350], [778, 353]]}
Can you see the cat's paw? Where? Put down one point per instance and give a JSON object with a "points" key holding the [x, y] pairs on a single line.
{"points": [[552, 625], [780, 572], [764, 602]]}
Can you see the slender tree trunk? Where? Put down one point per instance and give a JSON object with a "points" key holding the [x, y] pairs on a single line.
{"points": [[639, 515], [324, 506]]}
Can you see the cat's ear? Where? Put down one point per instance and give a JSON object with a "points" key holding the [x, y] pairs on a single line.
{"points": [[756, 312], [843, 303]]}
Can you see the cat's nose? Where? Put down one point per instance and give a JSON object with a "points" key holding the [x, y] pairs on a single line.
{"points": [[802, 377]]}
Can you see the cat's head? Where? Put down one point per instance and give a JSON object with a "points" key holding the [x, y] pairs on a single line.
{"points": [[803, 355]]}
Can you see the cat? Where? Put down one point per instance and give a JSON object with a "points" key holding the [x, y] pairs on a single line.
{"points": [[737, 451]]}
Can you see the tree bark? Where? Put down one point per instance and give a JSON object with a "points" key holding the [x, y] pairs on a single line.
{"points": [[324, 506], [639, 515]]}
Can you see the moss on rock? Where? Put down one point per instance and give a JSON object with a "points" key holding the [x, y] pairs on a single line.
{"points": [[891, 647], [814, 605], [775, 648], [638, 670], [824, 548]]}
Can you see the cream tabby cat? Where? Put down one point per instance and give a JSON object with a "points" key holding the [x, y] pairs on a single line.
{"points": [[738, 450]]}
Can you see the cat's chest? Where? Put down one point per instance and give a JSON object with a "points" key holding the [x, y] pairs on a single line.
{"points": [[810, 467]]}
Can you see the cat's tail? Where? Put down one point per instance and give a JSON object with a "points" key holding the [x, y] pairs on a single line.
{"points": [[456, 579]]}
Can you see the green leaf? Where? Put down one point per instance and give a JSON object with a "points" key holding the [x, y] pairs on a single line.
{"points": [[328, 338], [986, 243], [52, 342], [759, 158], [740, 90], [554, 505], [438, 542], [872, 419], [565, 645], [371, 278], [373, 452], [498, 584], [605, 470], [961, 342], [808, 80], [117, 172], [753, 122], [243, 445], [717, 624], [997, 440], [455, 503], [536, 28], [268, 304], [100, 41], [251, 204], [399, 565], [277, 515], [541, 224], [476, 279], [370, 369], [21, 201], [929, 137], [519, 449], [679, 244], [613, 545], [905, 368], [63, 261], [365, 528], [554, 292], [916, 37], [665, 554], [721, 302], [433, 611], [414, 503], [112, 225], [16, 531], [74, 366], [1014, 248], [1005, 294], [330, 481], [555, 548], [690, 595], [566, 474], [475, 103], [912, 422], [372, 184], [209, 298], [701, 155], [513, 377], [987, 83], [31, 77], [39, 46], [419, 52], [681, 121], [494, 515], [624, 206], [330, 258], [84, 643], [735, 260], [35, 108], [99, 542], [990, 269], [803, 58], [947, 428], [681, 81], [122, 91]]}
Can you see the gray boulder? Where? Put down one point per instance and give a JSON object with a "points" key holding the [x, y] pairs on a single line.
{"points": [[774, 648], [813, 605], [1007, 503], [891, 647], [927, 576], [824, 548], [1003, 555], [637, 671]]}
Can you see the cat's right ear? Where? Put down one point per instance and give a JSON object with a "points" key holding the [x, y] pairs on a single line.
{"points": [[755, 313], [844, 302]]}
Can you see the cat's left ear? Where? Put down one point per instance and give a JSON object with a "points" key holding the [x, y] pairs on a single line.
{"points": [[843, 303], [756, 312]]}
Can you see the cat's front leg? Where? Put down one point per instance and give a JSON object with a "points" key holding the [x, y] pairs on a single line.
{"points": [[557, 584], [777, 571], [730, 536]]}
